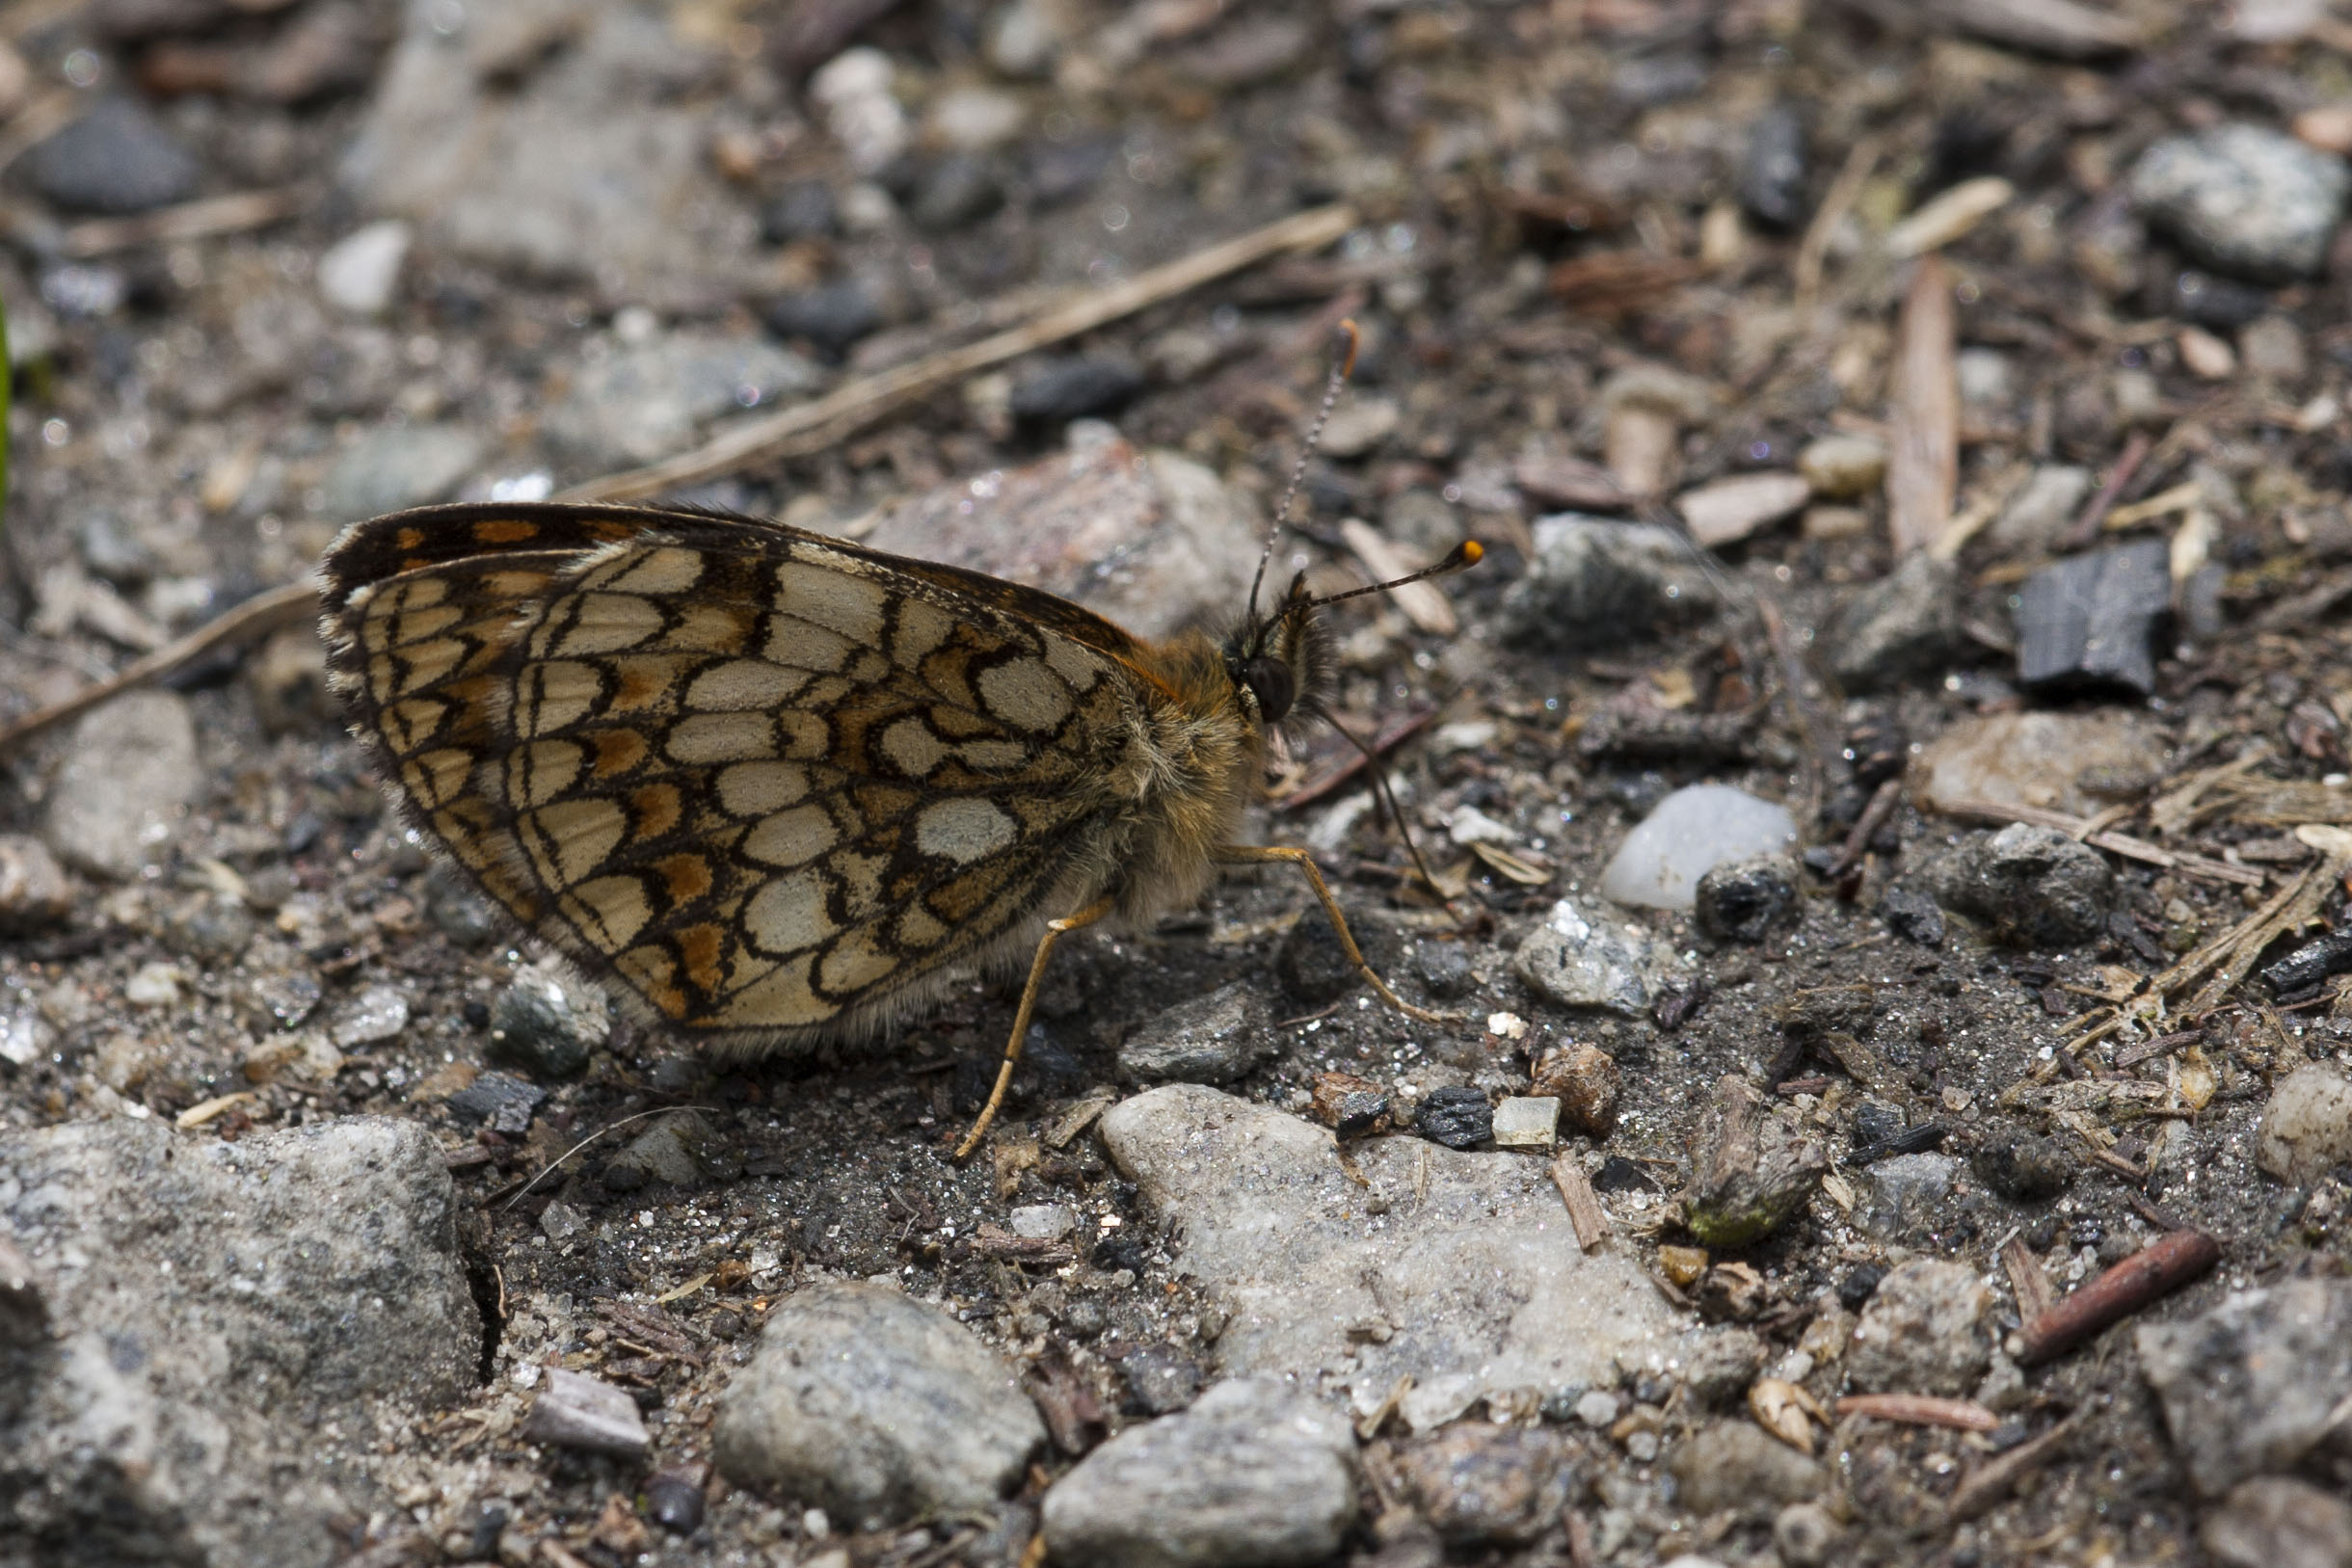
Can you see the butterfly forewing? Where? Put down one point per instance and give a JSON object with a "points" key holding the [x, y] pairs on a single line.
{"points": [[770, 780]]}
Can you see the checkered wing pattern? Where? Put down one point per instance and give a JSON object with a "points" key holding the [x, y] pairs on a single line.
{"points": [[769, 780]]}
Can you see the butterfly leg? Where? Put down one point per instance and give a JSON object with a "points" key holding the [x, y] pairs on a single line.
{"points": [[1055, 931], [1258, 855]]}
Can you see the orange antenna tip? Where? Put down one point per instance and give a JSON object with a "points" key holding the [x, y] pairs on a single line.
{"points": [[1473, 553], [1356, 341]]}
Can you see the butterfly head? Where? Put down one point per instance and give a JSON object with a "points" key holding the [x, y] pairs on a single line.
{"points": [[1281, 664]]}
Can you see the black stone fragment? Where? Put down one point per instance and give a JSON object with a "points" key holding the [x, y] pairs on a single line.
{"points": [[832, 317], [958, 189], [1912, 1140], [1065, 387], [1913, 916], [1857, 1286], [1772, 169], [1443, 966], [2090, 622], [674, 1502], [500, 1099], [1314, 967], [1743, 901], [1617, 1174], [1458, 1117], [2216, 301], [2310, 964], [1359, 1113], [1118, 1251], [1677, 1005]]}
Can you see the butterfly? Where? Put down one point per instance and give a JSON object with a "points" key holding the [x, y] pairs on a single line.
{"points": [[784, 788]]}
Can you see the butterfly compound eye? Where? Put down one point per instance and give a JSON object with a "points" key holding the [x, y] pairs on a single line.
{"points": [[1272, 683]]}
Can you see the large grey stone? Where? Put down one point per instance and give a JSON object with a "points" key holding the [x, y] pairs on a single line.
{"points": [[875, 1408], [127, 776], [1254, 1473], [210, 1306], [2253, 1385], [1441, 1263], [1151, 539]]}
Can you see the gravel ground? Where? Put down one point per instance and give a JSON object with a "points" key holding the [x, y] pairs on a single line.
{"points": [[1998, 358]]}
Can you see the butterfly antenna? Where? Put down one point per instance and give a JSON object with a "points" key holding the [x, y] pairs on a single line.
{"points": [[1461, 558], [1340, 369]]}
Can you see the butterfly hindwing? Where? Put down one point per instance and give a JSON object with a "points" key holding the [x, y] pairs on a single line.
{"points": [[769, 780]]}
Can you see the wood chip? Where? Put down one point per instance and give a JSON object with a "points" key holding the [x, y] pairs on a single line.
{"points": [[204, 1111], [1368, 1427], [1077, 1119], [1920, 1410], [1731, 508], [1949, 215], [1923, 463], [1985, 1486], [1422, 602], [1584, 1211], [2034, 1292]]}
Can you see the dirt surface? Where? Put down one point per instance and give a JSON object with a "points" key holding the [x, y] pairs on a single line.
{"points": [[1551, 198]]}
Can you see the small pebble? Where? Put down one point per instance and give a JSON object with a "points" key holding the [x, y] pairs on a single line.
{"points": [[1902, 628], [1844, 467], [1161, 1379], [576, 1411], [547, 1021], [1925, 1330], [2034, 885], [1583, 1079], [1690, 833], [1744, 900], [1772, 169], [357, 272], [1523, 1122], [956, 189], [115, 159], [1058, 389], [33, 892], [830, 319], [1211, 1039], [875, 1407], [804, 210]]}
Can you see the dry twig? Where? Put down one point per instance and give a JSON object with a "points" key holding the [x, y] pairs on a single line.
{"points": [[814, 426], [1923, 464]]}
